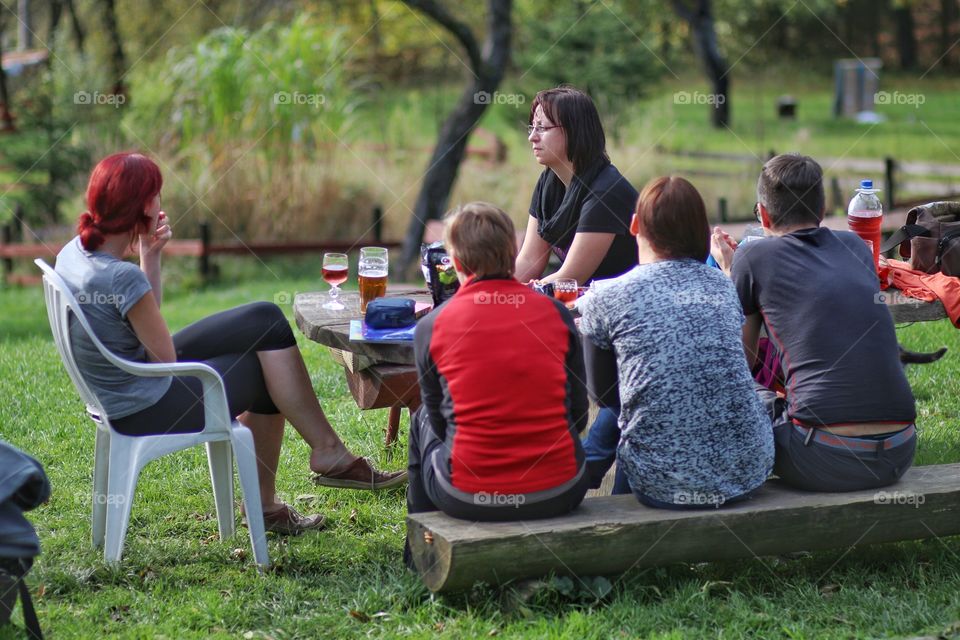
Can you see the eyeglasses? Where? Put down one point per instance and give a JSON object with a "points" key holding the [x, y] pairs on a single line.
{"points": [[756, 212], [539, 129]]}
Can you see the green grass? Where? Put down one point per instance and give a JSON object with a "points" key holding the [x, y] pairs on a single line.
{"points": [[177, 580]]}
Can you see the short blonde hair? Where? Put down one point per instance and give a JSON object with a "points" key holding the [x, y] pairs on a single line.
{"points": [[482, 238]]}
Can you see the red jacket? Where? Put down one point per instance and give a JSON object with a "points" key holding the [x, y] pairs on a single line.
{"points": [[501, 375]]}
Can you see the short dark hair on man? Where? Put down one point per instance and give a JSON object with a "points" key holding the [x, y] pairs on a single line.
{"points": [[790, 187], [573, 110]]}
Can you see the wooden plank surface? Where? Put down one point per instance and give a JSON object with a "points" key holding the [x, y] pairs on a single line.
{"points": [[332, 328], [614, 534]]}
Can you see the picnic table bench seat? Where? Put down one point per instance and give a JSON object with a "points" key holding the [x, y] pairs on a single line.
{"points": [[613, 534]]}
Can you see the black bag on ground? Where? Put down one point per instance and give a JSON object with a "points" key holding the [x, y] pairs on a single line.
{"points": [[930, 239], [23, 486]]}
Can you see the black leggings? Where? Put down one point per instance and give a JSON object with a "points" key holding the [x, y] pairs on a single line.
{"points": [[227, 341]]}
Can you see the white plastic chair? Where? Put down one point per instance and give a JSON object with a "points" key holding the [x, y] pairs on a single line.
{"points": [[119, 458]]}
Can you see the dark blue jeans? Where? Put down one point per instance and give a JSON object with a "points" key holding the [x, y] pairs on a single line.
{"points": [[600, 447]]}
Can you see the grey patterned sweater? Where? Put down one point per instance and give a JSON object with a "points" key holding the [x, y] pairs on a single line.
{"points": [[693, 429]]}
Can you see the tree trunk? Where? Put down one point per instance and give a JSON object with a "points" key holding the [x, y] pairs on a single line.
{"points": [[906, 38], [708, 50], [56, 11], [948, 13], [24, 33], [6, 118], [487, 68], [118, 65], [78, 33]]}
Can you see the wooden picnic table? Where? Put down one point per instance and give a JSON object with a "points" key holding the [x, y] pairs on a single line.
{"points": [[379, 375], [384, 375]]}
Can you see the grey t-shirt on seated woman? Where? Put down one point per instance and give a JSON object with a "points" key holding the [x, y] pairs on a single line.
{"points": [[107, 288], [693, 429]]}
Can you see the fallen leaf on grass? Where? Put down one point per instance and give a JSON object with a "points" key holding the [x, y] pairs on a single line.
{"points": [[353, 516], [239, 554], [42, 589], [359, 615], [829, 590]]}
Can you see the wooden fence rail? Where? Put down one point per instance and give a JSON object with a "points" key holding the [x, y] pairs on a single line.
{"points": [[202, 249], [841, 176]]}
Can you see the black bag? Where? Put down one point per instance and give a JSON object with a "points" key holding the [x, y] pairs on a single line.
{"points": [[439, 272], [23, 486], [930, 239], [390, 313]]}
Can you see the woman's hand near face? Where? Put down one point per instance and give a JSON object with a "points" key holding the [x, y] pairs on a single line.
{"points": [[151, 248], [152, 242]]}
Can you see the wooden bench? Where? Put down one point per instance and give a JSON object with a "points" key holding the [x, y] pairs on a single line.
{"points": [[614, 534]]}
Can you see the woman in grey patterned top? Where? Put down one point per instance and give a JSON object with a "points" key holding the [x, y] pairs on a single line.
{"points": [[695, 433]]}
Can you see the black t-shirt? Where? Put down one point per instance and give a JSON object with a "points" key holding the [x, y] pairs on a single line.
{"points": [[818, 294], [607, 208]]}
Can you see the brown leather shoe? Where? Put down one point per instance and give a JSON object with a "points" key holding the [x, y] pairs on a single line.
{"points": [[287, 521], [361, 475]]}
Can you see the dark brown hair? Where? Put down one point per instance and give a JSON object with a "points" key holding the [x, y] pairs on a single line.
{"points": [[482, 238], [672, 217], [573, 110], [790, 187]]}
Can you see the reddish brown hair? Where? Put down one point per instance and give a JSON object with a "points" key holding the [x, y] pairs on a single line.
{"points": [[672, 217], [482, 238], [120, 189]]}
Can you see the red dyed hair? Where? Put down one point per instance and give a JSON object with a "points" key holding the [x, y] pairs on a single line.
{"points": [[672, 217], [120, 189]]}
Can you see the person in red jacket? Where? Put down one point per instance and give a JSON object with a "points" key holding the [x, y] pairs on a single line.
{"points": [[501, 371]]}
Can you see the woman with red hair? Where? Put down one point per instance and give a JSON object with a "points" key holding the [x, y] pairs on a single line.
{"points": [[252, 346]]}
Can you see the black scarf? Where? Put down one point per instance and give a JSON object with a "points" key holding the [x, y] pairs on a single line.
{"points": [[564, 205]]}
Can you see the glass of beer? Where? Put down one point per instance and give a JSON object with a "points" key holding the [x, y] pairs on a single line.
{"points": [[565, 290], [335, 273], [373, 275]]}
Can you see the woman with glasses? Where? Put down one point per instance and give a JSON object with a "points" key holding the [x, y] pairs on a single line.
{"points": [[581, 205], [580, 211]]}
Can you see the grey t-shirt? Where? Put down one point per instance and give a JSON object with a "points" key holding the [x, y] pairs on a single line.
{"points": [[817, 292], [107, 288], [693, 429]]}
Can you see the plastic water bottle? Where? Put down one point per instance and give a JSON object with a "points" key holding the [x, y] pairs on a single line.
{"points": [[865, 217]]}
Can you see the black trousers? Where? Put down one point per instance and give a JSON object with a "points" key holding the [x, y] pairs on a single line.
{"points": [[428, 490], [804, 463], [227, 341]]}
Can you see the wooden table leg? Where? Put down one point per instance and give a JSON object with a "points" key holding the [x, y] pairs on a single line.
{"points": [[393, 425]]}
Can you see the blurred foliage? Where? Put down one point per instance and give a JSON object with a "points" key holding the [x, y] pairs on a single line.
{"points": [[594, 46], [279, 85]]}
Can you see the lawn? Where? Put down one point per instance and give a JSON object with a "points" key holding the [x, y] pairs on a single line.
{"points": [[177, 580]]}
